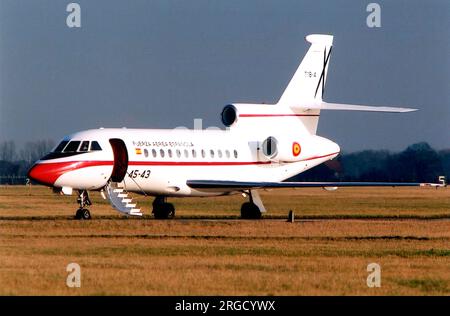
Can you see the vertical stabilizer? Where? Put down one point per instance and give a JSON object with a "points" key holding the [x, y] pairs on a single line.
{"points": [[308, 84]]}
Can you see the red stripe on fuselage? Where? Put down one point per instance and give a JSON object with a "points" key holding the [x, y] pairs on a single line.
{"points": [[318, 157], [196, 163], [47, 173]]}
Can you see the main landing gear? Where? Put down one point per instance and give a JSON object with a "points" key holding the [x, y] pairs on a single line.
{"points": [[83, 200], [253, 208], [162, 209], [250, 210]]}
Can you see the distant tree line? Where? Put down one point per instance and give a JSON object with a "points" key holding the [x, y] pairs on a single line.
{"points": [[417, 163], [14, 163]]}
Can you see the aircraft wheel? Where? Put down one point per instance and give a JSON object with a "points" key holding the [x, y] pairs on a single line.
{"points": [[86, 214], [164, 211], [83, 213], [78, 213], [170, 209], [250, 211]]}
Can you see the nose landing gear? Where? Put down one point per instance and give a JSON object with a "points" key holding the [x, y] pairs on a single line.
{"points": [[83, 200]]}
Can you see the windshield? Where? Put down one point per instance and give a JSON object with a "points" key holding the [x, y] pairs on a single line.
{"points": [[61, 146], [72, 147]]}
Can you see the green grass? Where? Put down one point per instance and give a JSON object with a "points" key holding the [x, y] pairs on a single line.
{"points": [[426, 285]]}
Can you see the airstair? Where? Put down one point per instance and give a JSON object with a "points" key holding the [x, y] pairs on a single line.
{"points": [[118, 197]]}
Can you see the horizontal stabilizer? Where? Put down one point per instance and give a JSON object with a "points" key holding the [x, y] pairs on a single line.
{"points": [[354, 107]]}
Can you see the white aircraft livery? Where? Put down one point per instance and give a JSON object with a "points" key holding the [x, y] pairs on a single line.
{"points": [[262, 146]]}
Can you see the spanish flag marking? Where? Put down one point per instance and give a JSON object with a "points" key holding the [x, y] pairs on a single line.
{"points": [[296, 149], [138, 151]]}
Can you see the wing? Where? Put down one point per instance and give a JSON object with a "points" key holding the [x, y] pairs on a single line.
{"points": [[243, 185]]}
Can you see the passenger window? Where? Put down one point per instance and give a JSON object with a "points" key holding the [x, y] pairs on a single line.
{"points": [[61, 146], [161, 152], [178, 153], [211, 152], [170, 153], [154, 153], [194, 153], [227, 153], [72, 147], [203, 153], [235, 153], [145, 153], [186, 153], [84, 146], [95, 146], [219, 153]]}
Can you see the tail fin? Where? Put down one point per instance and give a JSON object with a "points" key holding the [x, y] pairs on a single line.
{"points": [[300, 105], [307, 85]]}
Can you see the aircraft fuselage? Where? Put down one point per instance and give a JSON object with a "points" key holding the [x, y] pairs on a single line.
{"points": [[159, 162]]}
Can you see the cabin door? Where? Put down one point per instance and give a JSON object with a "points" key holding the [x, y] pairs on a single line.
{"points": [[120, 159]]}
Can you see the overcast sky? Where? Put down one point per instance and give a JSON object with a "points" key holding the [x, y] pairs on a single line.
{"points": [[160, 64]]}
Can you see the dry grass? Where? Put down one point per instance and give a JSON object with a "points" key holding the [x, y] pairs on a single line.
{"points": [[230, 257], [308, 203]]}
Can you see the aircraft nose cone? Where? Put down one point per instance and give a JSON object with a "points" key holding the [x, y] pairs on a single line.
{"points": [[42, 174]]}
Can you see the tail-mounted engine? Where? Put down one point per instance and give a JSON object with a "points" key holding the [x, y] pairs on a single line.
{"points": [[281, 150], [285, 148], [256, 117]]}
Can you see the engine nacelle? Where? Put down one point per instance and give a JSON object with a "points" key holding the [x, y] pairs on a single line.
{"points": [[229, 115], [293, 149], [276, 118], [281, 150]]}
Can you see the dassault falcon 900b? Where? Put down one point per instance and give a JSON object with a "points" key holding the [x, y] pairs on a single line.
{"points": [[263, 145]]}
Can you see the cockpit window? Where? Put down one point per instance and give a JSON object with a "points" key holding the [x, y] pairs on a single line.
{"points": [[61, 146], [72, 147], [84, 146], [69, 148], [95, 146]]}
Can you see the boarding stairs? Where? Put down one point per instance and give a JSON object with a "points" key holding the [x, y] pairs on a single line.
{"points": [[118, 197]]}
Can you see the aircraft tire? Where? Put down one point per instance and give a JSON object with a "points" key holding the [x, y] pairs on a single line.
{"points": [[164, 211], [85, 214], [78, 213], [250, 211]]}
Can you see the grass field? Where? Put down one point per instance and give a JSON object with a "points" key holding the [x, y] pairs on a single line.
{"points": [[209, 251]]}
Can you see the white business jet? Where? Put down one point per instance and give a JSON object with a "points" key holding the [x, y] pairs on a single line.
{"points": [[263, 145]]}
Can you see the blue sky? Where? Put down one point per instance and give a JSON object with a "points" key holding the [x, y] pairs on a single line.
{"points": [[160, 64]]}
